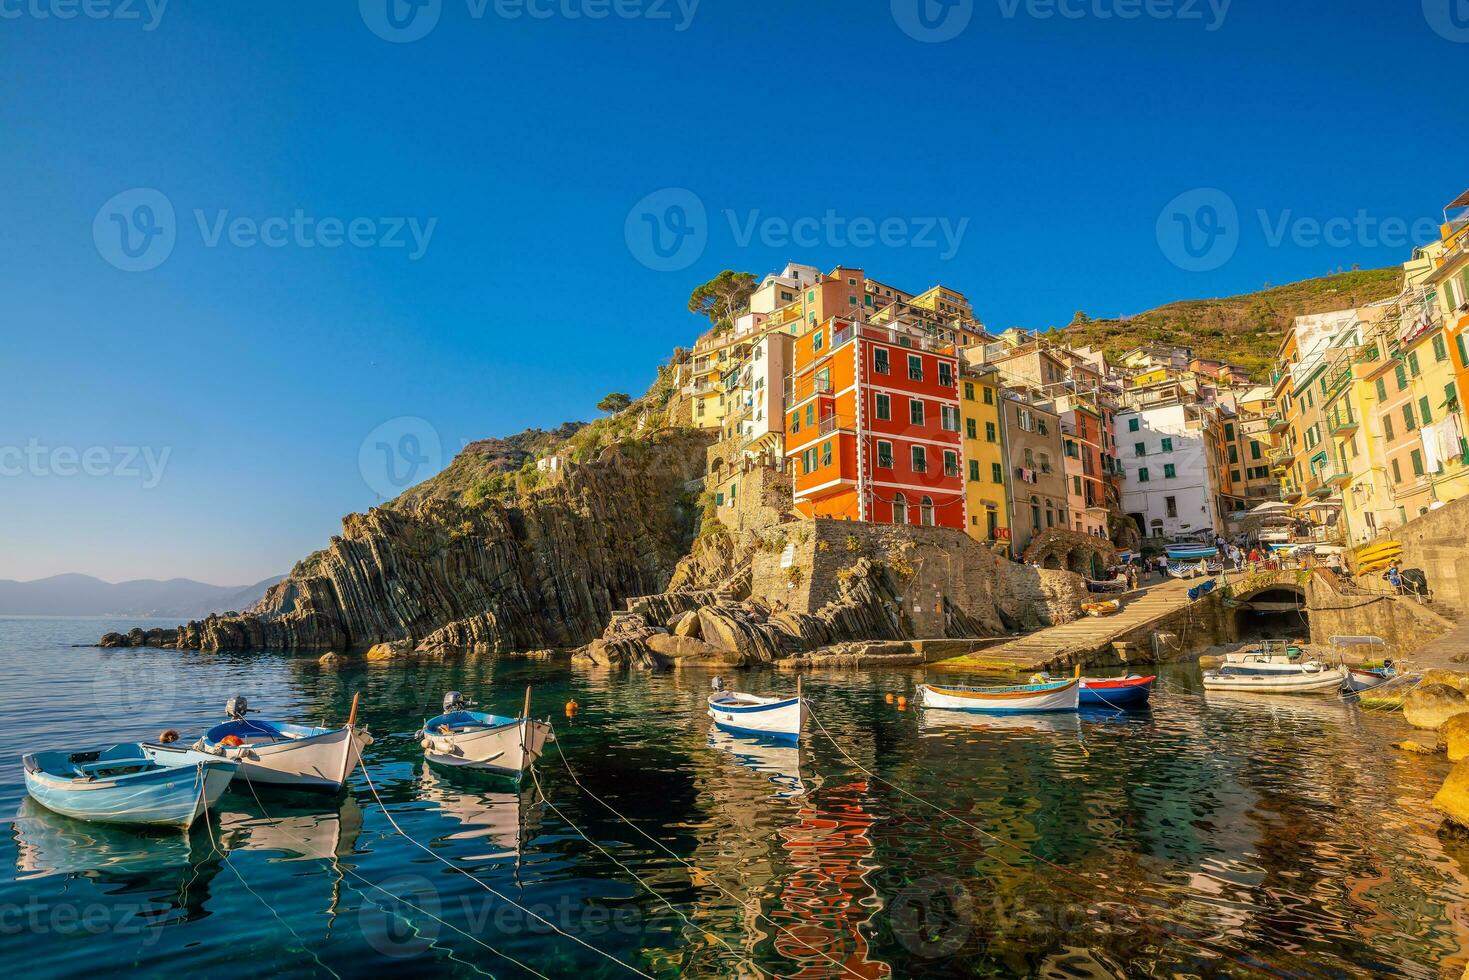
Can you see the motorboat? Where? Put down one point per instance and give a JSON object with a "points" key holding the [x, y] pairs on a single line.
{"points": [[1311, 677], [283, 754], [753, 714], [463, 738], [129, 783]]}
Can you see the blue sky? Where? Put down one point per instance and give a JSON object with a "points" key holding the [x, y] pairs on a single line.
{"points": [[232, 397]]}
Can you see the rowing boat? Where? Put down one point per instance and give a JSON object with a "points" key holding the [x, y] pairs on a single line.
{"points": [[1307, 678], [1116, 692], [282, 754], [1106, 608], [751, 714], [129, 783], [1185, 552], [1044, 696], [478, 740]]}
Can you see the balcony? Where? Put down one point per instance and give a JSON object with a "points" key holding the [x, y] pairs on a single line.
{"points": [[1279, 423], [1337, 378], [804, 388], [1338, 478], [833, 423], [1342, 423]]}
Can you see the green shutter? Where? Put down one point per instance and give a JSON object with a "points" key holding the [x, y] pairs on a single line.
{"points": [[1381, 390], [1424, 415]]}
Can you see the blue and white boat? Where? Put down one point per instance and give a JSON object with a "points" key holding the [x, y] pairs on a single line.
{"points": [[1012, 699], [1191, 552], [478, 740], [750, 714], [281, 754], [129, 783]]}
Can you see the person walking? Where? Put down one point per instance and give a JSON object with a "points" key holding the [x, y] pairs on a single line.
{"points": [[1395, 577]]}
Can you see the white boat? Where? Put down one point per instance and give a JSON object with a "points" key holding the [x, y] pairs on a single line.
{"points": [[478, 740], [1306, 678], [1048, 696], [751, 714], [1365, 678], [282, 754]]}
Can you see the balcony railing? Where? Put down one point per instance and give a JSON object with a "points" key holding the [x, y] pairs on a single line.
{"points": [[1279, 423], [1340, 423], [806, 388]]}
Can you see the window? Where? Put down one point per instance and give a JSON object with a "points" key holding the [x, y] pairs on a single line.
{"points": [[808, 460], [884, 407], [951, 463], [997, 473], [915, 411], [915, 367], [1233, 475], [826, 453], [1142, 475], [900, 509], [989, 432], [1229, 431], [946, 374], [795, 422], [974, 471], [949, 418], [1025, 420], [1139, 449], [1233, 454], [1397, 474], [1402, 377], [1463, 350], [1417, 457], [1169, 471], [1440, 349], [880, 360], [1424, 415], [1132, 425], [971, 429], [1381, 390], [1035, 514], [810, 415], [1413, 364], [1387, 428], [1076, 485], [817, 340], [989, 393], [1170, 505], [1040, 426], [1254, 449], [969, 391], [719, 499], [1045, 462], [885, 455], [1168, 445], [920, 459], [925, 511], [1450, 397], [1408, 423]]}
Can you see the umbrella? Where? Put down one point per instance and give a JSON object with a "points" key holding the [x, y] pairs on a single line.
{"points": [[1271, 507]]}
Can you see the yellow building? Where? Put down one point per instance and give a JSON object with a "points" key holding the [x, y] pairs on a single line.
{"points": [[986, 477]]}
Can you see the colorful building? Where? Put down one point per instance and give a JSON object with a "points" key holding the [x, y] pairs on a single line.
{"points": [[873, 425], [986, 475], [1032, 442]]}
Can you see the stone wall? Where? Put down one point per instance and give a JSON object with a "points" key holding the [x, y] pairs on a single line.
{"points": [[1438, 543], [1401, 622], [944, 577]]}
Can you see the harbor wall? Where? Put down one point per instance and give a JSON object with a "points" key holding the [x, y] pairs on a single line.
{"points": [[1438, 543]]}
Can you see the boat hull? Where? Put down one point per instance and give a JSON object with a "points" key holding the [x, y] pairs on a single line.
{"points": [[508, 749], [778, 718], [321, 762], [1116, 693], [1302, 682], [1024, 699], [172, 796], [1366, 680]]}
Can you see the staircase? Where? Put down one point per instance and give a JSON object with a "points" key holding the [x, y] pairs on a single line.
{"points": [[1069, 642]]}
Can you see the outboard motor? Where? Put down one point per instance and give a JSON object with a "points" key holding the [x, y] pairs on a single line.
{"points": [[237, 707], [454, 701], [718, 684]]}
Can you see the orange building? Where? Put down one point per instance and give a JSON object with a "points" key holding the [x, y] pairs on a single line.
{"points": [[872, 425]]}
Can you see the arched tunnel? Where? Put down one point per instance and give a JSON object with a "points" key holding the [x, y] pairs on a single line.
{"points": [[1278, 612]]}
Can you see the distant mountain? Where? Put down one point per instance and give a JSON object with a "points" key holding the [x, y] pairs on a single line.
{"points": [[1244, 330], [83, 595]]}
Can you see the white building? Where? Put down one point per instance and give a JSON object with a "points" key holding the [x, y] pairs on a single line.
{"points": [[758, 390], [1168, 470]]}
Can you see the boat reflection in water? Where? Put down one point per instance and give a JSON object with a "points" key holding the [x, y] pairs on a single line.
{"points": [[294, 833], [47, 843], [934, 722], [778, 761], [484, 806]]}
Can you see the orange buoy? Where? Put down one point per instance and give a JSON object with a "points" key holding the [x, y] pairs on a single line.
{"points": [[572, 708], [888, 697], [902, 703]]}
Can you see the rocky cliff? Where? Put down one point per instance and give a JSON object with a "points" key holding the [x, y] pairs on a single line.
{"points": [[460, 567]]}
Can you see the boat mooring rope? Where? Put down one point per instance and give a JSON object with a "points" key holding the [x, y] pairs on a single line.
{"points": [[490, 888], [425, 912], [1061, 869], [752, 905]]}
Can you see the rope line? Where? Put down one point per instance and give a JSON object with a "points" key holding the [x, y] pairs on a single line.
{"points": [[1144, 923], [751, 905], [490, 888]]}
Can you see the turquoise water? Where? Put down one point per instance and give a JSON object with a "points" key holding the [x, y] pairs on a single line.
{"points": [[1205, 836]]}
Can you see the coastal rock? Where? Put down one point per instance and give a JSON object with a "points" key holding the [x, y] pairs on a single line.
{"points": [[1449, 678], [387, 651], [1452, 799], [1430, 705], [1453, 734], [111, 640], [1408, 745], [685, 624], [328, 659], [688, 648]]}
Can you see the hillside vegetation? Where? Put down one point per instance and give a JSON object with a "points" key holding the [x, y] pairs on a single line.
{"points": [[1244, 330]]}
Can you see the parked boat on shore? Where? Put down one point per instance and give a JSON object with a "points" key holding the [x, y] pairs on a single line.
{"points": [[129, 783], [477, 740], [1301, 678], [1367, 675], [1046, 696], [282, 754], [751, 714]]}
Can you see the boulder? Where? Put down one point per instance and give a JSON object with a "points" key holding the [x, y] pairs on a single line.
{"points": [[110, 640], [685, 624], [328, 659], [1453, 735], [1430, 705], [1448, 678], [389, 650], [1407, 745], [690, 648], [1453, 797]]}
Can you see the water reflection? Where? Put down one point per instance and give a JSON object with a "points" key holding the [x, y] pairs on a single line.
{"points": [[780, 762]]}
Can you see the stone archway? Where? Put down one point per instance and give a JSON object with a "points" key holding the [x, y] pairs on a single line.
{"points": [[1275, 612], [1071, 550]]}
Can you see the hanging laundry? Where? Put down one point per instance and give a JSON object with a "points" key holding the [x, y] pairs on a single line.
{"points": [[1451, 438], [1428, 436]]}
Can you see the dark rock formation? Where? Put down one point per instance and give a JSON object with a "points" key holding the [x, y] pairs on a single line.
{"points": [[548, 572]]}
